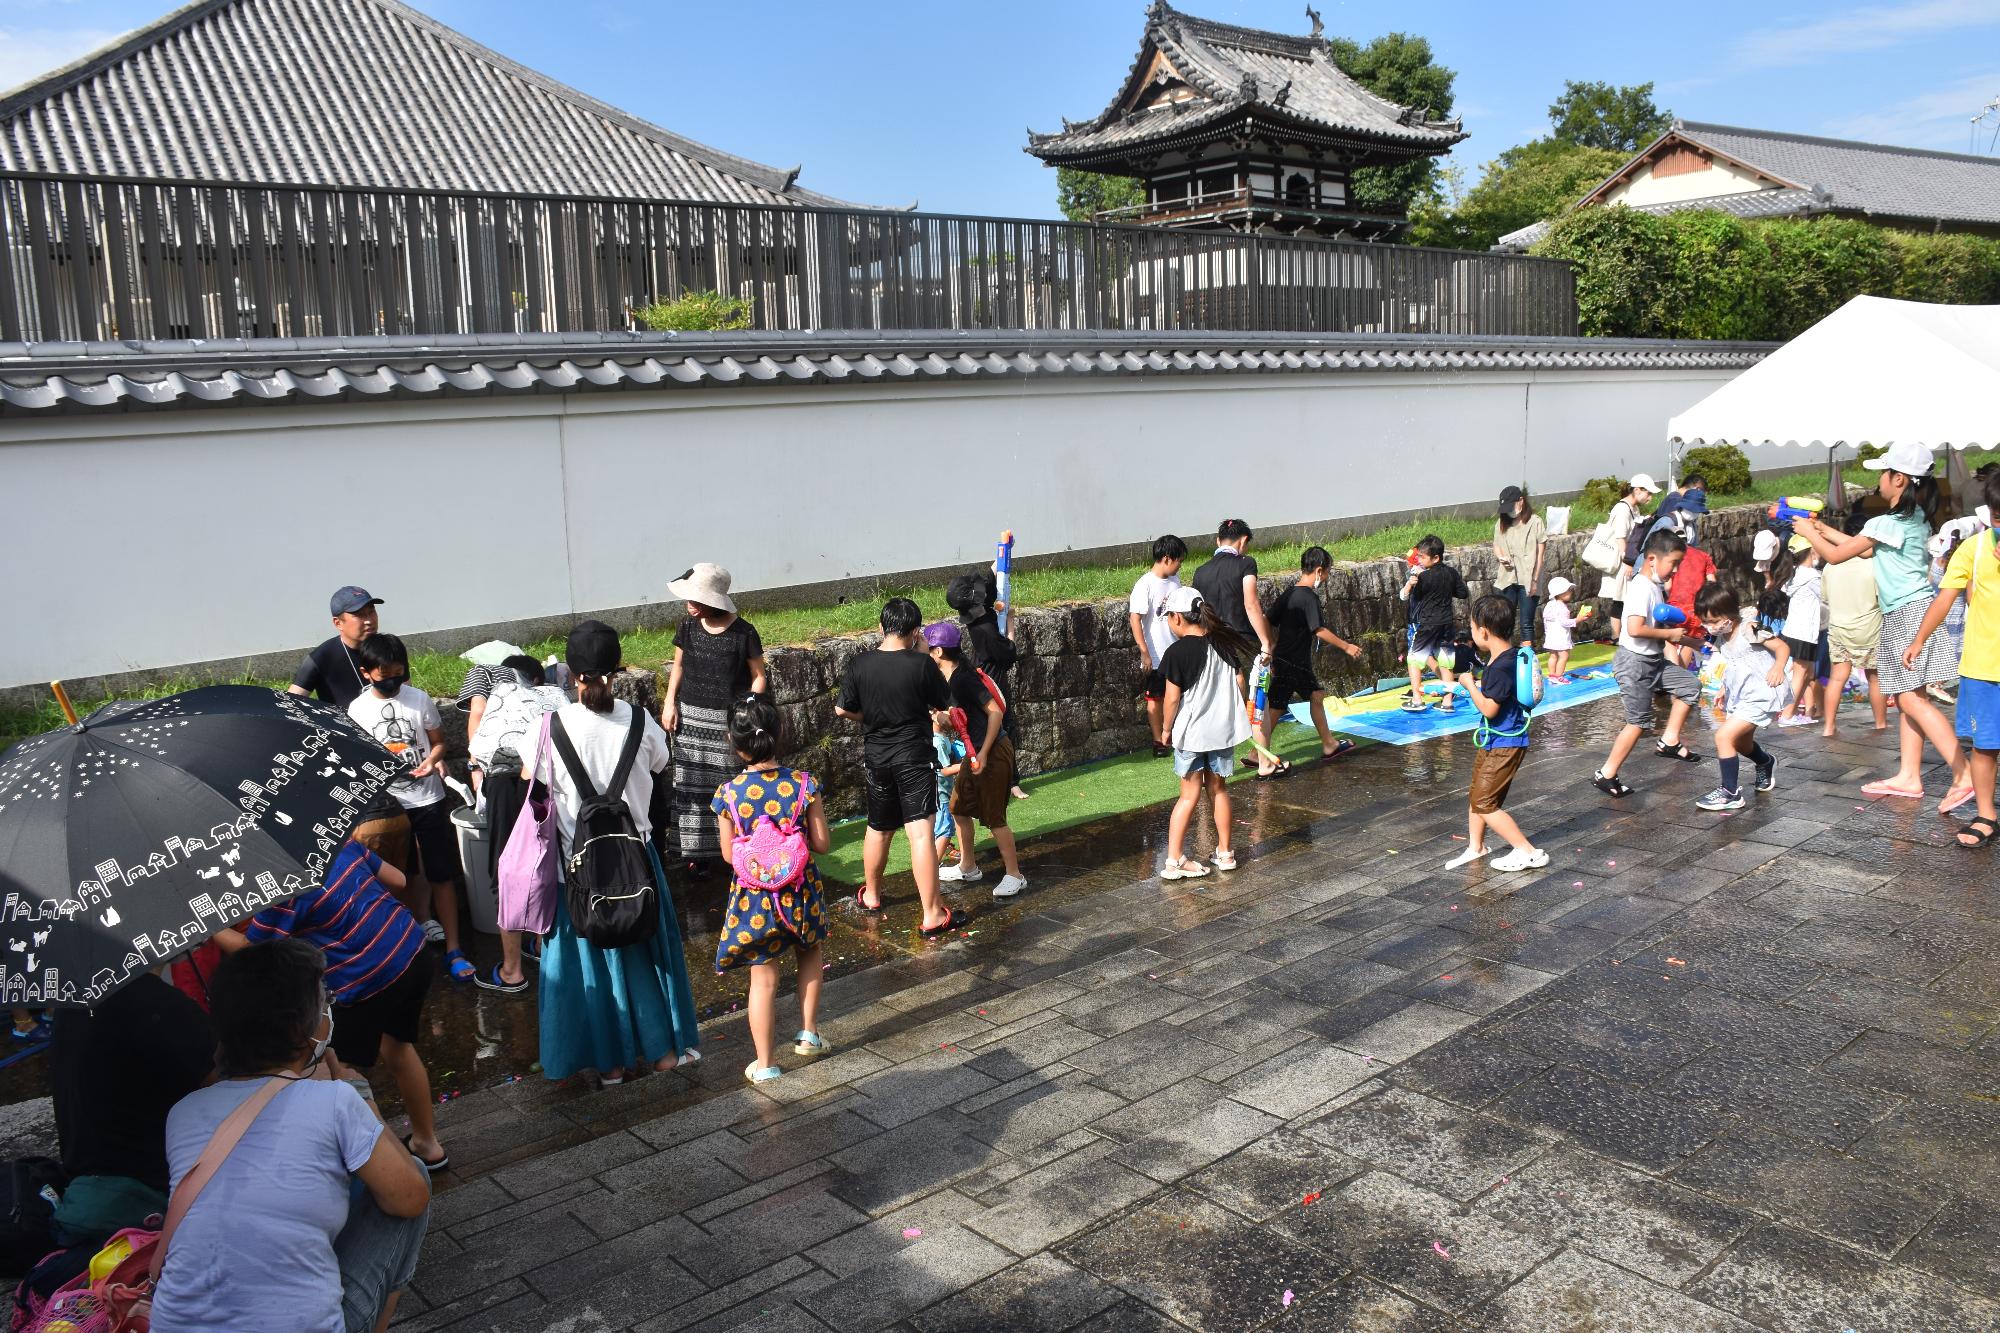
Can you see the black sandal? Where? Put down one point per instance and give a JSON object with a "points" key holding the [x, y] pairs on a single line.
{"points": [[1680, 752], [958, 918], [1609, 786], [1980, 830], [430, 1168], [1283, 768]]}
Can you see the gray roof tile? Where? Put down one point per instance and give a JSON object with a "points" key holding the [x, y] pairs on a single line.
{"points": [[352, 92], [1237, 70], [1864, 177], [52, 376]]}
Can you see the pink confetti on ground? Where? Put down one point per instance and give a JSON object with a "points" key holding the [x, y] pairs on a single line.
{"points": [[1611, 863], [1309, 1200], [911, 1233], [1454, 907], [1369, 1058], [1288, 1298], [1577, 884], [1458, 837], [1442, 1252]]}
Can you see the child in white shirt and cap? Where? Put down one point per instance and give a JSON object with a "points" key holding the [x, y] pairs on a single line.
{"points": [[1557, 625]]}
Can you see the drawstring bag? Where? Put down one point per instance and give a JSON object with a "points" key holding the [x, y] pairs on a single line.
{"points": [[526, 879], [613, 899]]}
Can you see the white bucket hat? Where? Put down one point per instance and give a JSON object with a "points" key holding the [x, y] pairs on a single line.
{"points": [[1559, 585], [1905, 456], [1642, 481], [705, 584]]}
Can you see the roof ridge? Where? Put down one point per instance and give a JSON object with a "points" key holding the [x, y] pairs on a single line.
{"points": [[64, 77], [1693, 128]]}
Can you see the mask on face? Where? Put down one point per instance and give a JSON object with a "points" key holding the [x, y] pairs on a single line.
{"points": [[388, 688], [321, 1043]]}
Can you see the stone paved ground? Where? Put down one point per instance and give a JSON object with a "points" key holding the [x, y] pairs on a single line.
{"points": [[1706, 1073]]}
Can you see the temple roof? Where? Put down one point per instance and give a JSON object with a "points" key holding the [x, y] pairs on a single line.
{"points": [[366, 93], [1192, 74]]}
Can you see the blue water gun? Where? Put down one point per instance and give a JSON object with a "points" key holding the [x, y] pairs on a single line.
{"points": [[1668, 616], [1003, 578], [1790, 507]]}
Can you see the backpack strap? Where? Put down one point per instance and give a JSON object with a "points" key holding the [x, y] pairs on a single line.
{"points": [[227, 1135], [630, 754], [585, 790]]}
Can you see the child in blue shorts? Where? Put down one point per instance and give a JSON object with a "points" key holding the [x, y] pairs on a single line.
{"points": [[950, 752], [1204, 716]]}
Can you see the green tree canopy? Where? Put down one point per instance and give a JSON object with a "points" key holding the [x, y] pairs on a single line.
{"points": [[1528, 183], [1080, 194], [1401, 68], [1597, 115]]}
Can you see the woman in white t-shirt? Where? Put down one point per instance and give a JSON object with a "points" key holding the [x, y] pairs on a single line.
{"points": [[607, 1009], [1624, 517]]}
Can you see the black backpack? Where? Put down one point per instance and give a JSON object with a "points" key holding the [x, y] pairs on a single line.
{"points": [[612, 898]]}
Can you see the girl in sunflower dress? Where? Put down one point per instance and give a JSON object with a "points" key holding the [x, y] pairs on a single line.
{"points": [[766, 922]]}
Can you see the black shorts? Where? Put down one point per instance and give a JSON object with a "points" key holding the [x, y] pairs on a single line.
{"points": [[1289, 683], [899, 795], [433, 843], [1156, 685], [397, 1010]]}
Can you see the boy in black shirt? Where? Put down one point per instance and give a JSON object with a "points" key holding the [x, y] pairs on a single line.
{"points": [[1432, 588], [987, 646], [1228, 583], [1301, 629], [891, 692]]}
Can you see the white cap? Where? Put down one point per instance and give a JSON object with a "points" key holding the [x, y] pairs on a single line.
{"points": [[1559, 585], [1905, 456], [1765, 548], [1642, 482], [1183, 600]]}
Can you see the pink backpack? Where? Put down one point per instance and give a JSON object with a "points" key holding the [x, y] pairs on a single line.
{"points": [[772, 854]]}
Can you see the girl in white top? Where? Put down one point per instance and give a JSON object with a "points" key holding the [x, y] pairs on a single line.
{"points": [[605, 1009], [1204, 714], [1804, 618]]}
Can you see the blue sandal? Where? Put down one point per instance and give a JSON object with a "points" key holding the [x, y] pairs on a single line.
{"points": [[459, 966]]}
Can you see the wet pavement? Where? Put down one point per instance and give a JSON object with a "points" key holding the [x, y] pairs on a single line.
{"points": [[1705, 1072]]}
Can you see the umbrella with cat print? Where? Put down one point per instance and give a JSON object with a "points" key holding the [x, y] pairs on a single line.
{"points": [[133, 835]]}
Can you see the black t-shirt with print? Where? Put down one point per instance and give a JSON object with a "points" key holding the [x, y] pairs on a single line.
{"points": [[1298, 625], [970, 693], [1220, 583], [894, 692], [331, 672], [715, 668], [1431, 600]]}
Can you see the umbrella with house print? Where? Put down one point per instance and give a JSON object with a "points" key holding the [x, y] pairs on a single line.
{"points": [[132, 836]]}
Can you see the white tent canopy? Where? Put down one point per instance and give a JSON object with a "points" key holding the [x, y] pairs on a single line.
{"points": [[1875, 371]]}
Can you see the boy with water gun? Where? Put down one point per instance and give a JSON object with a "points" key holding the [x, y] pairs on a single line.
{"points": [[1502, 739], [1640, 665]]}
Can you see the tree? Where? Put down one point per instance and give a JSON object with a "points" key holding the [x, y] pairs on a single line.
{"points": [[1401, 68], [1527, 184], [1080, 194], [1597, 115]]}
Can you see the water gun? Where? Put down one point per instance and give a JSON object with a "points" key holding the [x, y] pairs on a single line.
{"points": [[1668, 616], [1003, 577], [1790, 507], [1260, 698], [1403, 593]]}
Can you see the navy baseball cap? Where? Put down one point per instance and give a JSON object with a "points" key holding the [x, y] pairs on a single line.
{"points": [[351, 599]]}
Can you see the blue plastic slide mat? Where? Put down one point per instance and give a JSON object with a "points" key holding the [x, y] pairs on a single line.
{"points": [[1399, 728]]}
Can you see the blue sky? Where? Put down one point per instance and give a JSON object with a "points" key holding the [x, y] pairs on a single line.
{"points": [[890, 101]]}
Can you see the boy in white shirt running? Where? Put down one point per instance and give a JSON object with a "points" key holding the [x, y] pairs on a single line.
{"points": [[1148, 619]]}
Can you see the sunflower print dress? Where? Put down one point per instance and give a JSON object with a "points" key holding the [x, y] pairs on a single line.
{"points": [[753, 932]]}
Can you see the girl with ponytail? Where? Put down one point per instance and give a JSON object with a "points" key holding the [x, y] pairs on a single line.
{"points": [[1204, 717]]}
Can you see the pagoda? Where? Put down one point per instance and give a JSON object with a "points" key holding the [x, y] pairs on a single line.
{"points": [[1243, 129]]}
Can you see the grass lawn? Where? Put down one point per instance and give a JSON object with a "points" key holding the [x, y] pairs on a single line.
{"points": [[441, 673]]}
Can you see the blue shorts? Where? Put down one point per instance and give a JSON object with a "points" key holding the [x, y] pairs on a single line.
{"points": [[1979, 712], [944, 825], [1219, 762]]}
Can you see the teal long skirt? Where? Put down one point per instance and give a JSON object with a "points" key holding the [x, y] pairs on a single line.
{"points": [[615, 1008]]}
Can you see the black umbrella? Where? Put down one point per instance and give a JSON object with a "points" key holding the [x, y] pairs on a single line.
{"points": [[133, 836]]}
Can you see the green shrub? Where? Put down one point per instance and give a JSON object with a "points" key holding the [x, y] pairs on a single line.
{"points": [[1864, 452], [697, 311], [1624, 259], [1601, 493], [1724, 467]]}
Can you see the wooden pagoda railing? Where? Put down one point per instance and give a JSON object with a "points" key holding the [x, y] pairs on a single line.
{"points": [[96, 259]]}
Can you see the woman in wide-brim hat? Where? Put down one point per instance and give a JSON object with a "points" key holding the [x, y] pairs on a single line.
{"points": [[718, 659]]}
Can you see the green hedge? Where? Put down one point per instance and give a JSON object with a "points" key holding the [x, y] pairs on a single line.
{"points": [[1700, 274]]}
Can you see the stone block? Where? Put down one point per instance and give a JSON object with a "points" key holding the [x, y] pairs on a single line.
{"points": [[638, 687], [1086, 628], [1041, 631], [795, 674], [1072, 723]]}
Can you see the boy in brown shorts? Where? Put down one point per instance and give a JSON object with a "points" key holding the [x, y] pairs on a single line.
{"points": [[986, 778], [1502, 739]]}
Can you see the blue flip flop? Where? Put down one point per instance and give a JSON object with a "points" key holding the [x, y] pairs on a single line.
{"points": [[460, 967]]}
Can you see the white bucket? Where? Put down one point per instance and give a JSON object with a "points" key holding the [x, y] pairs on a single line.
{"points": [[482, 901]]}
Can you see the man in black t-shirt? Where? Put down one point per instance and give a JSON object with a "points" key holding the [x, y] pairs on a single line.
{"points": [[891, 693], [1301, 629], [331, 671]]}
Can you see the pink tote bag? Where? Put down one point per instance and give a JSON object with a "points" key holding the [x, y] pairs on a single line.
{"points": [[527, 882]]}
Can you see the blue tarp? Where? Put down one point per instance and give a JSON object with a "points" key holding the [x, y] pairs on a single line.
{"points": [[1400, 728]]}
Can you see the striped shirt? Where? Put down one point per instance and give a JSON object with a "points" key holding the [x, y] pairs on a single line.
{"points": [[369, 938]]}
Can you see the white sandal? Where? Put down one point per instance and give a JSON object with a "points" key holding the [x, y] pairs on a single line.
{"points": [[1223, 860], [1183, 869]]}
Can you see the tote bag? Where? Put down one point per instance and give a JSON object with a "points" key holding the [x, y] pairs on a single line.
{"points": [[526, 879]]}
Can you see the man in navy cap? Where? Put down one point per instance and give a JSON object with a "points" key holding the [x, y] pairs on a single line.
{"points": [[332, 671]]}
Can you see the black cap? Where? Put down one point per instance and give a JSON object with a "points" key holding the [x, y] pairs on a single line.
{"points": [[1510, 497], [593, 649], [351, 599]]}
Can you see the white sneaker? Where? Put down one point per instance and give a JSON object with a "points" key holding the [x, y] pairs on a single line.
{"points": [[1532, 859], [960, 873], [433, 932], [1467, 857], [1009, 885]]}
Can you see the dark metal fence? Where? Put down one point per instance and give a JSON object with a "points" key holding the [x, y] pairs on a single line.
{"points": [[101, 259]]}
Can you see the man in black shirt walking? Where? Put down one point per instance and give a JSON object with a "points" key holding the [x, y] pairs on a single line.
{"points": [[891, 693]]}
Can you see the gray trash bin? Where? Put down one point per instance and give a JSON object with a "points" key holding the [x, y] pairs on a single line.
{"points": [[482, 900]]}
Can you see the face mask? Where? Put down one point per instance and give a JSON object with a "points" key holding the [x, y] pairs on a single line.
{"points": [[388, 688], [320, 1044]]}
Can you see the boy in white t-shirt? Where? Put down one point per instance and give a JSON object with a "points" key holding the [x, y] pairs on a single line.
{"points": [[402, 718], [1641, 666], [1754, 692], [1148, 618]]}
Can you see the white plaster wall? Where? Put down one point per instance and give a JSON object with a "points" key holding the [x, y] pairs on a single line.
{"points": [[201, 535], [1720, 178]]}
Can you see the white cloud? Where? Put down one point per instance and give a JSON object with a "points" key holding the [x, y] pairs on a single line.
{"points": [[1936, 119], [1863, 29], [29, 53]]}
